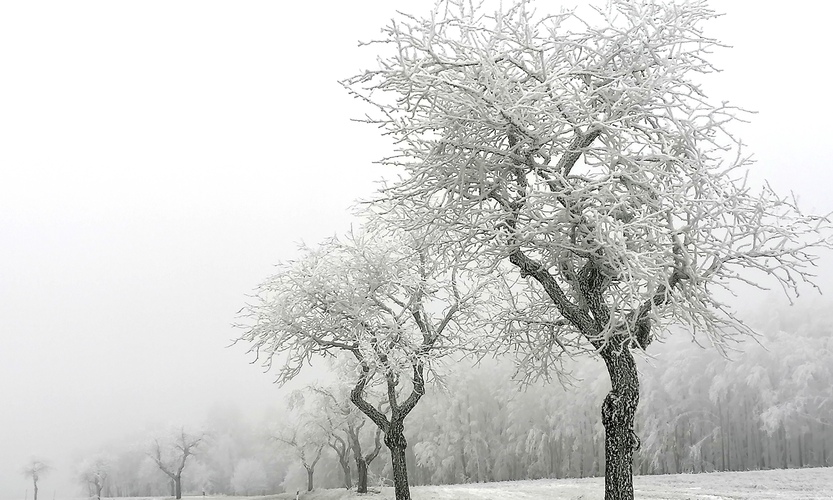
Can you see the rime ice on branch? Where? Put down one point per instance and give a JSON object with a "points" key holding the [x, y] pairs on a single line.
{"points": [[580, 148]]}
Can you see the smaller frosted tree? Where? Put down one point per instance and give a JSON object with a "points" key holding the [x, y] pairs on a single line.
{"points": [[35, 469], [388, 299]]}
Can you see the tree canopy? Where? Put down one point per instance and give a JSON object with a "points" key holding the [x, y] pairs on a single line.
{"points": [[581, 146]]}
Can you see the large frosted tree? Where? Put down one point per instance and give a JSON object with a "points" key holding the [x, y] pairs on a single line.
{"points": [[580, 148], [384, 297]]}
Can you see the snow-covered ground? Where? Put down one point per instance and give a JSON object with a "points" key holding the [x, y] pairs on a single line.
{"points": [[792, 484]]}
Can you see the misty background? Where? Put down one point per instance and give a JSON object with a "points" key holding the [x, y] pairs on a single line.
{"points": [[158, 158]]}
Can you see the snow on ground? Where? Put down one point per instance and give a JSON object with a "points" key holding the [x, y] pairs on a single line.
{"points": [[791, 484]]}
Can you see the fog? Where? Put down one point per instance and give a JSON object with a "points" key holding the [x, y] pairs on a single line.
{"points": [[158, 158]]}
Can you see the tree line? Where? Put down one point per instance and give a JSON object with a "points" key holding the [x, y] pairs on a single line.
{"points": [[765, 406]]}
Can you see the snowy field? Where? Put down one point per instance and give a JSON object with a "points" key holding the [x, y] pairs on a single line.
{"points": [[793, 484], [790, 484]]}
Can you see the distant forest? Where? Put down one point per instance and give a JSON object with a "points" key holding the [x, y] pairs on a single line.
{"points": [[766, 404]]}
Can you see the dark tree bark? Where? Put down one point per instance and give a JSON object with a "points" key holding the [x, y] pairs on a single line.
{"points": [[396, 443], [618, 411]]}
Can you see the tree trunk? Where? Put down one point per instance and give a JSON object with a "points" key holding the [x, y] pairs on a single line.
{"points": [[395, 441], [309, 479], [178, 487], [361, 469], [618, 412], [36, 489]]}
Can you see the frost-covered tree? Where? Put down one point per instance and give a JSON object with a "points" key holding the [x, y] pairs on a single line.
{"points": [[381, 296], [93, 474], [35, 469], [171, 456], [580, 148]]}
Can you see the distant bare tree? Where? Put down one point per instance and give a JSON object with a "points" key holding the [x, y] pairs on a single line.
{"points": [[93, 474], [171, 459], [35, 469], [307, 447]]}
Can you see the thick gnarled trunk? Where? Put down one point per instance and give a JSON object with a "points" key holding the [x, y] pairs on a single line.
{"points": [[618, 411], [396, 443]]}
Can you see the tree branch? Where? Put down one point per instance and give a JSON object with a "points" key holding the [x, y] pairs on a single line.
{"points": [[570, 311], [357, 397]]}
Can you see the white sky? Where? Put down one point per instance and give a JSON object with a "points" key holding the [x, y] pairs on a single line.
{"points": [[158, 157]]}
